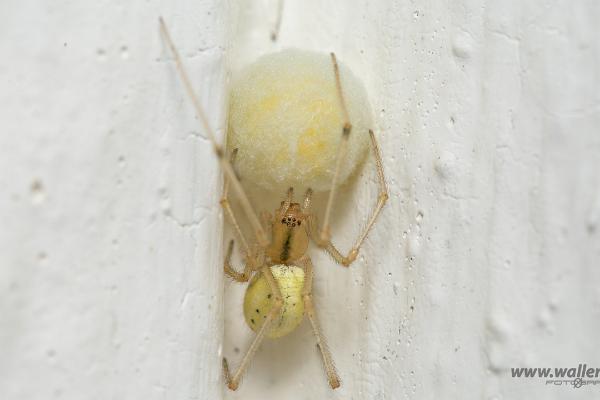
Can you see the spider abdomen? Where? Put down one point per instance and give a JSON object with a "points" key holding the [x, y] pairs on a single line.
{"points": [[258, 300]]}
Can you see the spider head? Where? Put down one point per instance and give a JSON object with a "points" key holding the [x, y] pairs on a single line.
{"points": [[291, 216]]}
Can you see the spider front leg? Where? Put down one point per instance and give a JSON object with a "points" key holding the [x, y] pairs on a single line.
{"points": [[309, 308], [227, 206], [234, 381], [218, 149], [382, 197]]}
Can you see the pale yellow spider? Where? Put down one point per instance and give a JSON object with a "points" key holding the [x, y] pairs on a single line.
{"points": [[279, 270]]}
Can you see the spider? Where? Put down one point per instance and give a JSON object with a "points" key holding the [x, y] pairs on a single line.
{"points": [[277, 266]]}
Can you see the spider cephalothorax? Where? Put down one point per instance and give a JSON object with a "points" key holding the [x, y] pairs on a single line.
{"points": [[289, 232]]}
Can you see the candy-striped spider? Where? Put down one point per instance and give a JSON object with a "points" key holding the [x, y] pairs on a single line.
{"points": [[277, 265]]}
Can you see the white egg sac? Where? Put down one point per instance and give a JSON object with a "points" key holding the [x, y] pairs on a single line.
{"points": [[286, 119]]}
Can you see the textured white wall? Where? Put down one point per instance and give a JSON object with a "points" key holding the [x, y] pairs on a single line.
{"points": [[110, 241], [486, 258]]}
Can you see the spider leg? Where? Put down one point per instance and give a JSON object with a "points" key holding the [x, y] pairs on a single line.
{"points": [[226, 205], [309, 308], [341, 155], [324, 238], [381, 200], [277, 25], [232, 273], [225, 164], [307, 201]]}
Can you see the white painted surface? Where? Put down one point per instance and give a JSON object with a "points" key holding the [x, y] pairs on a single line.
{"points": [[486, 258], [110, 286]]}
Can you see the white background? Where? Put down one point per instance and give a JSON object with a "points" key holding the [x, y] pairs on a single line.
{"points": [[486, 257]]}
